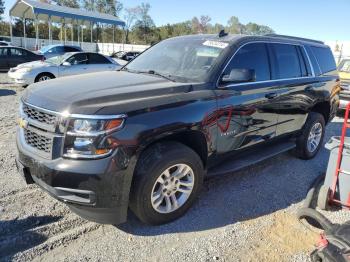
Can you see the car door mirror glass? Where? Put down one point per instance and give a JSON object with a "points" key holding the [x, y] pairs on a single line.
{"points": [[66, 63], [238, 75]]}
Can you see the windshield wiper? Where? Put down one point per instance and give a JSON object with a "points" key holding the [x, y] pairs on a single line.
{"points": [[167, 77], [150, 72]]}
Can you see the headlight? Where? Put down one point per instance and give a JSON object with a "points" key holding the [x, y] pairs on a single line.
{"points": [[24, 70], [89, 138]]}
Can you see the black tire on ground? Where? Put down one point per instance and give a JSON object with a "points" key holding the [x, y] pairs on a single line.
{"points": [[40, 76], [323, 198], [302, 150], [152, 163]]}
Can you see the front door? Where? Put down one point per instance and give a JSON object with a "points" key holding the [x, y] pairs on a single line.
{"points": [[78, 65], [246, 114]]}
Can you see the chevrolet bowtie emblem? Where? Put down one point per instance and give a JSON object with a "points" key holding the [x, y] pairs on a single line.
{"points": [[22, 123]]}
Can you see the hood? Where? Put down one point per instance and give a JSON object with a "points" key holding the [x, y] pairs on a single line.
{"points": [[89, 93], [34, 64]]}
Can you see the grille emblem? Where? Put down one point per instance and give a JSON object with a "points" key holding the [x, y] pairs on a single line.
{"points": [[23, 123]]}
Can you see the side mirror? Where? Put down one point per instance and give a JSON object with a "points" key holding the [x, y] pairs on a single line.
{"points": [[65, 63], [238, 75]]}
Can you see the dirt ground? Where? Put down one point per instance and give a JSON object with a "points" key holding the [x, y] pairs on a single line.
{"points": [[246, 216]]}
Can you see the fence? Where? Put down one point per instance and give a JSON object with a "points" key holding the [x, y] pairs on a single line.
{"points": [[104, 48]]}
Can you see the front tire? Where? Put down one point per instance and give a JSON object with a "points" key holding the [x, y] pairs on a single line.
{"points": [[310, 141], [167, 180], [43, 77]]}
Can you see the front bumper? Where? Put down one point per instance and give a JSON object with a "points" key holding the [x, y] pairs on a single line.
{"points": [[97, 190], [21, 78]]}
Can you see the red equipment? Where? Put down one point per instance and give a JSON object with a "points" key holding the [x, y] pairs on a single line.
{"points": [[338, 169]]}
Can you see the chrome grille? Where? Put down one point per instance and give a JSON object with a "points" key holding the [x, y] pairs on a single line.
{"points": [[37, 141], [36, 115]]}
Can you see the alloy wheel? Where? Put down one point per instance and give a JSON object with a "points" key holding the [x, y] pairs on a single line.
{"points": [[314, 138], [172, 189]]}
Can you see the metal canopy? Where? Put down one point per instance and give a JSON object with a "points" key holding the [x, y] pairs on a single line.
{"points": [[36, 10]]}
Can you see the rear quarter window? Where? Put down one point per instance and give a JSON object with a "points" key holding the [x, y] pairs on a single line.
{"points": [[98, 59], [324, 58]]}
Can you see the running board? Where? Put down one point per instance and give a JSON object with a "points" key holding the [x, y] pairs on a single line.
{"points": [[249, 158]]}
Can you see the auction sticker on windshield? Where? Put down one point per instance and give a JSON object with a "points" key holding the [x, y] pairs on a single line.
{"points": [[217, 44]]}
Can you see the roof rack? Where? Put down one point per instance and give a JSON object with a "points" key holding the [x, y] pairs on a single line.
{"points": [[295, 38]]}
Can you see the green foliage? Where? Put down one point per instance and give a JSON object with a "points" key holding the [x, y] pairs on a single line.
{"points": [[2, 8], [139, 25], [68, 3]]}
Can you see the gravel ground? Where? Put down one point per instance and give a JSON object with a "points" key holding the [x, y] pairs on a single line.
{"points": [[247, 216]]}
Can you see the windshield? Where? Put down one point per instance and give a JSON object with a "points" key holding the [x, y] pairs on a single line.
{"points": [[344, 66], [44, 49], [57, 60], [181, 59]]}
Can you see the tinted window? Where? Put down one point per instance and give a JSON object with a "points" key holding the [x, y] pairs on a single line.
{"points": [[3, 44], [17, 52], [71, 49], [287, 63], [325, 58], [56, 49], [307, 61], [98, 59], [78, 59], [313, 61], [254, 57], [3, 51]]}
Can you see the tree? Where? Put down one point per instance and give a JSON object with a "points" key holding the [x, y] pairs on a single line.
{"points": [[204, 23], [2, 8], [130, 17], [256, 29], [68, 3], [144, 24], [234, 26], [112, 7]]}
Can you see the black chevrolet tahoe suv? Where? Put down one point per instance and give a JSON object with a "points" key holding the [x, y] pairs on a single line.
{"points": [[145, 137]]}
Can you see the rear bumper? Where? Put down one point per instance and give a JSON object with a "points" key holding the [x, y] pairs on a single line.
{"points": [[97, 190]]}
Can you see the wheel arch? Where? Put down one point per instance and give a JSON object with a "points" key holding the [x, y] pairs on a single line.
{"points": [[193, 139], [324, 108], [44, 73]]}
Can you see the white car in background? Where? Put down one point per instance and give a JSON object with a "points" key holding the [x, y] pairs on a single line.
{"points": [[65, 65]]}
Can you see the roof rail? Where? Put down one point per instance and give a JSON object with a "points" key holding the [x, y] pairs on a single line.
{"points": [[295, 38]]}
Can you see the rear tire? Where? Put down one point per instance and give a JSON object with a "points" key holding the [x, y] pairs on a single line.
{"points": [[310, 141], [167, 181]]}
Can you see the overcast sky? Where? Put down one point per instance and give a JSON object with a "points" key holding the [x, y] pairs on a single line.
{"points": [[318, 19]]}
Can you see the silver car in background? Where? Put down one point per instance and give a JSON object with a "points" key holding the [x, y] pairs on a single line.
{"points": [[65, 65]]}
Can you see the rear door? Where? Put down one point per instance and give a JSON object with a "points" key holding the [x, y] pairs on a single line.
{"points": [[78, 65], [4, 59], [99, 63], [17, 56], [246, 115], [292, 72]]}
